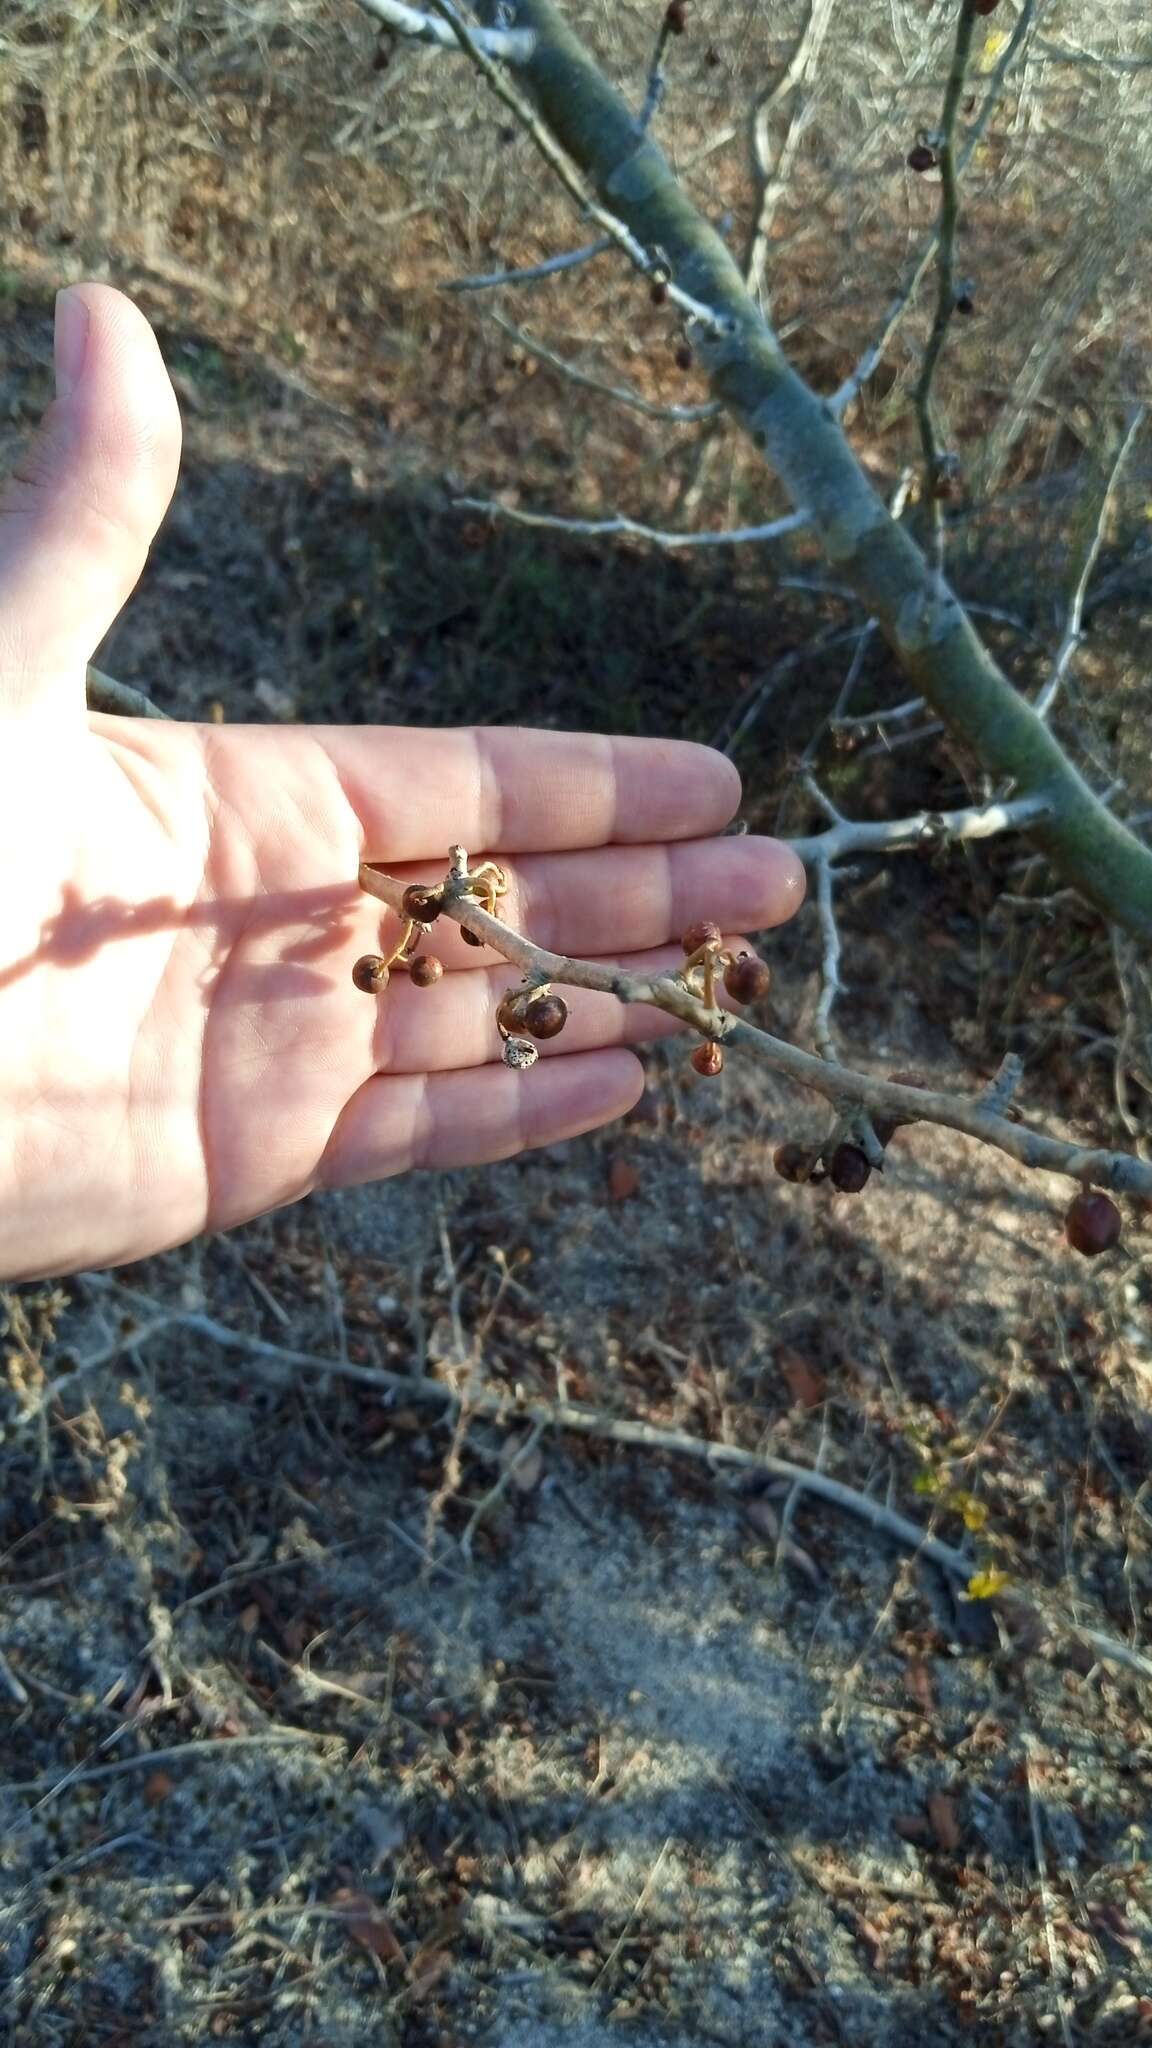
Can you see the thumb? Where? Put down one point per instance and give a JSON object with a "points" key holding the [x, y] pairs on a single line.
{"points": [[81, 509]]}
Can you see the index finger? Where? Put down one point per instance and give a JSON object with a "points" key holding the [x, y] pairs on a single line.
{"points": [[512, 789]]}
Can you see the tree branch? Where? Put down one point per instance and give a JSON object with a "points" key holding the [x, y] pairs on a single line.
{"points": [[839, 1085], [798, 434]]}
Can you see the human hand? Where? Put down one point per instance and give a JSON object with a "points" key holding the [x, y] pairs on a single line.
{"points": [[181, 1044]]}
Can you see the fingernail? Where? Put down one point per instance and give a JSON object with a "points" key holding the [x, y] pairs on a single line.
{"points": [[71, 340]]}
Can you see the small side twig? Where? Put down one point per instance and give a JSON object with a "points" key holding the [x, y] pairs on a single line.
{"points": [[585, 380], [491, 280], [737, 536], [104, 693], [1074, 624], [502, 45]]}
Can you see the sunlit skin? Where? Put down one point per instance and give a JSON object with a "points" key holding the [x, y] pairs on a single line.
{"points": [[181, 1043]]}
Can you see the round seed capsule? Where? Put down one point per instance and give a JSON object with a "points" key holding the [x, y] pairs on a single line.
{"points": [[708, 1058], [747, 979], [546, 1016], [420, 904], [425, 970], [1093, 1223], [848, 1170], [793, 1161], [370, 974], [703, 933]]}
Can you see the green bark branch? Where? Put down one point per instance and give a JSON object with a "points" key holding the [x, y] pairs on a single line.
{"points": [[798, 433]]}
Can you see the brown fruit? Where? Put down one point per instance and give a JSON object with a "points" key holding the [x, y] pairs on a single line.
{"points": [[422, 905], [708, 1058], [469, 938], [965, 303], [848, 1169], [701, 934], [683, 358], [658, 291], [370, 974], [985, 6], [676, 19], [1093, 1223], [921, 158], [747, 979], [793, 1161], [425, 970], [546, 1016]]}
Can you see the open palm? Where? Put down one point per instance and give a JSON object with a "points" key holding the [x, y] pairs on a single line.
{"points": [[181, 1044]]}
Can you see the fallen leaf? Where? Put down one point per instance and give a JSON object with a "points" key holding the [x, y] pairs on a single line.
{"points": [[249, 1616], [918, 1685], [945, 1825], [804, 1384], [623, 1180], [427, 1968], [367, 1925], [912, 1827], [157, 1786]]}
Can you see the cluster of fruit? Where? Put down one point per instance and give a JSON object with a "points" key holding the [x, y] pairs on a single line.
{"points": [[745, 977], [1092, 1222]]}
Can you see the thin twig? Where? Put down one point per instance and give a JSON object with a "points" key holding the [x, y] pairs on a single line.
{"points": [[502, 45], [490, 280], [1045, 1896], [771, 181], [1073, 630], [945, 145], [179, 1753], [498, 1490], [654, 89], [623, 394], [737, 536]]}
